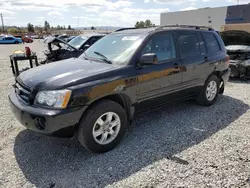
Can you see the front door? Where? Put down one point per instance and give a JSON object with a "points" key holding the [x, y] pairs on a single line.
{"points": [[155, 81], [9, 40]]}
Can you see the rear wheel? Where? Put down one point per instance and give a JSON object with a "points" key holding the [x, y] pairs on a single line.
{"points": [[102, 127], [209, 92]]}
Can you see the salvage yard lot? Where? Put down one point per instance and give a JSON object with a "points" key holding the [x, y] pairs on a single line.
{"points": [[179, 145]]}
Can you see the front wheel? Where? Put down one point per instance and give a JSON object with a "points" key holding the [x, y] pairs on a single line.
{"points": [[209, 92], [102, 127], [16, 42]]}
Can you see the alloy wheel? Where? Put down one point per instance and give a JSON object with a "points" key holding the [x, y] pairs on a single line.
{"points": [[106, 128], [211, 90]]}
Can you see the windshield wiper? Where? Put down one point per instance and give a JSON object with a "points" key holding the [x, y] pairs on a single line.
{"points": [[103, 57]]}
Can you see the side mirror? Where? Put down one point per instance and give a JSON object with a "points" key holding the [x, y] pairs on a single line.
{"points": [[149, 59], [86, 46]]}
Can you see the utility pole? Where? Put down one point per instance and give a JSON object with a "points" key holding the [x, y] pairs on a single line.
{"points": [[2, 21], [238, 1]]}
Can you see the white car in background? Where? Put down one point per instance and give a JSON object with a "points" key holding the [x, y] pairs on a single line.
{"points": [[35, 37]]}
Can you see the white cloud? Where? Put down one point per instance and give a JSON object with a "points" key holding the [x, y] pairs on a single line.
{"points": [[50, 4], [188, 8], [92, 9], [172, 2], [96, 12], [40, 18], [4, 11], [55, 13], [149, 11], [240, 2], [230, 1]]}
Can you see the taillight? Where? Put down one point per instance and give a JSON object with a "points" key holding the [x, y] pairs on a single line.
{"points": [[227, 60]]}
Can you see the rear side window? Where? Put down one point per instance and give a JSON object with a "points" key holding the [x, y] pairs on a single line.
{"points": [[202, 44], [189, 44], [211, 43]]}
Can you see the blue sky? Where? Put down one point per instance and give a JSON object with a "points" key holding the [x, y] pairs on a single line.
{"points": [[97, 12]]}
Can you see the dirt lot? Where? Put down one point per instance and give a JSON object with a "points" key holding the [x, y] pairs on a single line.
{"points": [[181, 145]]}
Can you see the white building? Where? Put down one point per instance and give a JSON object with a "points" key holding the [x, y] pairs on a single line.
{"points": [[212, 17]]}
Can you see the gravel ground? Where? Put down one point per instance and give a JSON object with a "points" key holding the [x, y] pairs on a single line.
{"points": [[182, 145]]}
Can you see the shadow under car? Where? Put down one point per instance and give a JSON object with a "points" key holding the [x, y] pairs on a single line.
{"points": [[155, 135]]}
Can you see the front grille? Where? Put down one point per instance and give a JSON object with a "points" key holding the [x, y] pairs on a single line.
{"points": [[23, 92]]}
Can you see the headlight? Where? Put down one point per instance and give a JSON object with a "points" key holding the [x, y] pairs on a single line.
{"points": [[57, 99]]}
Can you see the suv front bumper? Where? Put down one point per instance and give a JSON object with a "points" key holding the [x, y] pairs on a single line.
{"points": [[46, 121]]}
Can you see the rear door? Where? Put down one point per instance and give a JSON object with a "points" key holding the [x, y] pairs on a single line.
{"points": [[215, 52], [164, 77], [193, 57]]}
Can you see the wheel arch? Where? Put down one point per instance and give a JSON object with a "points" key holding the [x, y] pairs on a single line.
{"points": [[219, 75], [120, 98]]}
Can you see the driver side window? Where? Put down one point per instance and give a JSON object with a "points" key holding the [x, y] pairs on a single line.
{"points": [[162, 45]]}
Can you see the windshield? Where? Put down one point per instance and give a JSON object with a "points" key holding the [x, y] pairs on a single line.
{"points": [[117, 48], [78, 41]]}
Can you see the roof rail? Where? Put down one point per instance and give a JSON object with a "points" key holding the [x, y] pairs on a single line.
{"points": [[126, 28], [186, 26]]}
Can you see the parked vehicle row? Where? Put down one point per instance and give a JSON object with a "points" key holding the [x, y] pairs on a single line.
{"points": [[25, 39], [96, 95]]}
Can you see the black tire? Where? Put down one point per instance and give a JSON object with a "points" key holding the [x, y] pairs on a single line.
{"points": [[87, 122], [202, 98], [16, 42]]}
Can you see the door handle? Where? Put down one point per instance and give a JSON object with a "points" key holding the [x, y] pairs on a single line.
{"points": [[176, 66]]}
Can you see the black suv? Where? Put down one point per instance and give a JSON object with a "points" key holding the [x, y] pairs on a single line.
{"points": [[96, 95]]}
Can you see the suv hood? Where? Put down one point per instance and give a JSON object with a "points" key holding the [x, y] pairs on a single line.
{"points": [[235, 37], [64, 73], [56, 41]]}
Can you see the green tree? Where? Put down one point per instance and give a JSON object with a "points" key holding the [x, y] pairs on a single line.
{"points": [[30, 28], [93, 28], [137, 24], [64, 27], [69, 27], [12, 30], [46, 26], [140, 24], [148, 23], [39, 29]]}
